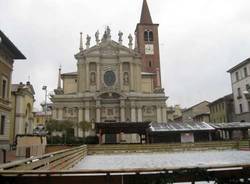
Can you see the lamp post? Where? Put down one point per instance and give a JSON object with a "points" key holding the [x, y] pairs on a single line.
{"points": [[45, 105]]}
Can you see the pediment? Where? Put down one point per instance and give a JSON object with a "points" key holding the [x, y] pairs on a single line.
{"points": [[108, 48]]}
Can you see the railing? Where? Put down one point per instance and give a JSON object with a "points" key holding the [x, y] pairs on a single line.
{"points": [[60, 160], [65, 159], [130, 148]]}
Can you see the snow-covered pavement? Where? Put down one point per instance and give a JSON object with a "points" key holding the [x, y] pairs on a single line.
{"points": [[164, 160]]}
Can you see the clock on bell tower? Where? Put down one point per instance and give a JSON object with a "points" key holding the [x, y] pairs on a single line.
{"points": [[148, 44]]}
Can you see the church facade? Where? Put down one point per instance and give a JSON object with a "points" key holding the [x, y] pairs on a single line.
{"points": [[114, 82]]}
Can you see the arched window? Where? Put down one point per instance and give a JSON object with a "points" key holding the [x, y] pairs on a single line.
{"points": [[148, 36], [151, 36]]}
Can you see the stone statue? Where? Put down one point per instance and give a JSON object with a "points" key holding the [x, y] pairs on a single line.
{"points": [[88, 41], [120, 34], [97, 37], [108, 31], [130, 38], [107, 34], [125, 78], [92, 78]]}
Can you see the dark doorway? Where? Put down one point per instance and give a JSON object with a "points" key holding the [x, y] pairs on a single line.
{"points": [[110, 138]]}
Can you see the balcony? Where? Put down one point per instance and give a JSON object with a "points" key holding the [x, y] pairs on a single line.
{"points": [[247, 94]]}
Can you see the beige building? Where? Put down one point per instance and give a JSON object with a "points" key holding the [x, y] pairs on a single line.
{"points": [[8, 53], [111, 83], [197, 113], [22, 98]]}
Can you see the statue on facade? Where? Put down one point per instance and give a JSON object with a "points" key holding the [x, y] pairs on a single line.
{"points": [[97, 37], [120, 34], [88, 41], [130, 38], [125, 78], [92, 78], [108, 32]]}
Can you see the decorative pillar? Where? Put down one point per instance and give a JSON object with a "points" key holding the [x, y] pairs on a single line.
{"points": [[60, 114], [98, 77], [54, 113], [87, 113], [98, 111], [133, 113], [19, 116], [139, 113], [87, 76], [80, 118], [158, 114], [131, 76], [121, 76], [164, 114], [122, 111]]}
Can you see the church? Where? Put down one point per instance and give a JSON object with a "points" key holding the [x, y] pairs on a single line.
{"points": [[114, 83]]}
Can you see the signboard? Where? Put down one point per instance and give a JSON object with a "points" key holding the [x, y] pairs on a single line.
{"points": [[187, 137]]}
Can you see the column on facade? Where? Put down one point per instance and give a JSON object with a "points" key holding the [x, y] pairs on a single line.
{"points": [[133, 112], [87, 112], [121, 76], [80, 119], [122, 111], [139, 113], [19, 126], [60, 113], [87, 76], [131, 76], [98, 111], [164, 114], [54, 113], [98, 77], [158, 114], [87, 116]]}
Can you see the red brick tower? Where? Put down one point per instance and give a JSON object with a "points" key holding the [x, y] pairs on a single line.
{"points": [[148, 44]]}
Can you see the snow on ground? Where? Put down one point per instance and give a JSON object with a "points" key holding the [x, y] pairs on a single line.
{"points": [[164, 160]]}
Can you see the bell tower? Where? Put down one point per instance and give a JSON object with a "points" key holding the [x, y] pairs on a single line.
{"points": [[148, 44]]}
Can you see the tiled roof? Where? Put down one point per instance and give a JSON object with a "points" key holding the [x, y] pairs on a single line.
{"points": [[145, 14]]}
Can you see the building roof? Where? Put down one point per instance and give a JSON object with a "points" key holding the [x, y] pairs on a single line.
{"points": [[195, 105], [69, 74], [180, 127], [230, 96], [16, 87], [239, 65], [42, 113], [5, 41], [231, 125], [145, 14]]}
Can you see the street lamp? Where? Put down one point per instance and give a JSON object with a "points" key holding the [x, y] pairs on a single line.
{"points": [[45, 105]]}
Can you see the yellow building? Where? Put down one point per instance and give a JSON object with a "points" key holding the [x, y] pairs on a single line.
{"points": [[222, 109], [22, 97], [8, 53], [40, 117]]}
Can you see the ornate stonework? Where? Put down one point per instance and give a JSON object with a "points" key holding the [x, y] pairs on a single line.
{"points": [[110, 86]]}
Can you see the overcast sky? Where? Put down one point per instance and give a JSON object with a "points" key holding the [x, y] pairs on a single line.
{"points": [[199, 40]]}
